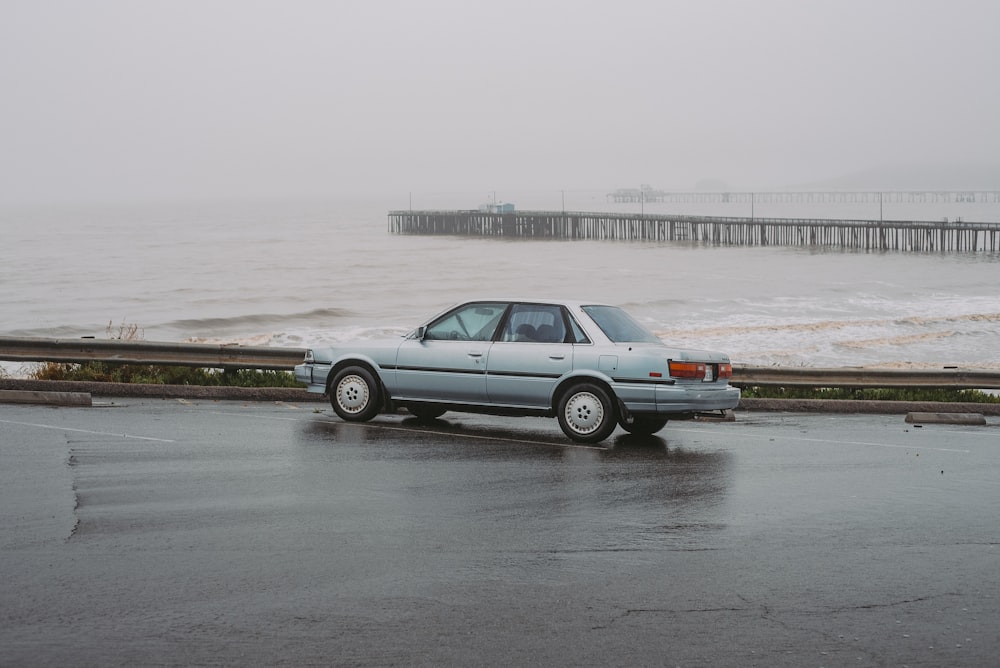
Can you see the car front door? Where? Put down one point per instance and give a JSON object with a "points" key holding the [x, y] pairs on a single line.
{"points": [[448, 363]]}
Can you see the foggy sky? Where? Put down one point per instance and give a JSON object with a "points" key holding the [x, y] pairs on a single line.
{"points": [[125, 99]]}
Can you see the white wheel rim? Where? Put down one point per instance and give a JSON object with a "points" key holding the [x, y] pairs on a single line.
{"points": [[584, 413], [352, 394]]}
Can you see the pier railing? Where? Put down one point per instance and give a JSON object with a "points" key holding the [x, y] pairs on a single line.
{"points": [[636, 195], [923, 236], [258, 357]]}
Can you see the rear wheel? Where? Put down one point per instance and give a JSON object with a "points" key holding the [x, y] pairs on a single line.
{"points": [[643, 426], [355, 394], [586, 413]]}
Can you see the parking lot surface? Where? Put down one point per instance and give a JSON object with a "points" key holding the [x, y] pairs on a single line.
{"points": [[178, 532]]}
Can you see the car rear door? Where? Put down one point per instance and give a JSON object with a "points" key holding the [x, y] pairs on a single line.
{"points": [[529, 357]]}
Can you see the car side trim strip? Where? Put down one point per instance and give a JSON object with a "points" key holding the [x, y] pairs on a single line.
{"points": [[474, 372], [646, 381], [523, 374]]}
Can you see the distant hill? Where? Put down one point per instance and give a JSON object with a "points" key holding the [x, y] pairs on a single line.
{"points": [[913, 177]]}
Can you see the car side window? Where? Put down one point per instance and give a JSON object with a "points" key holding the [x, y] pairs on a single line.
{"points": [[535, 323], [576, 333], [470, 322]]}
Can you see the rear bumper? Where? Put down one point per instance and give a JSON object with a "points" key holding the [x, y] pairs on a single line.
{"points": [[693, 399], [667, 399]]}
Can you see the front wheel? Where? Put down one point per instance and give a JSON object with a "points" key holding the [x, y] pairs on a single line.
{"points": [[643, 426], [586, 413], [355, 394]]}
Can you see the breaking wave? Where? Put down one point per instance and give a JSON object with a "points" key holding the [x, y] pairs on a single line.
{"points": [[895, 340], [59, 332], [826, 325], [258, 320]]}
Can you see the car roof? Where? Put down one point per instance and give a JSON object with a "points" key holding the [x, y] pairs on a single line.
{"points": [[535, 300]]}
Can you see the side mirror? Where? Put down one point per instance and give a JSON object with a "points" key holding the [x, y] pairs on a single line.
{"points": [[420, 332]]}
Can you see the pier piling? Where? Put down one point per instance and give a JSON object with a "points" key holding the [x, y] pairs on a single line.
{"points": [[869, 235]]}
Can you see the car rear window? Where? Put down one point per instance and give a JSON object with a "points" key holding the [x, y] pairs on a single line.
{"points": [[619, 326]]}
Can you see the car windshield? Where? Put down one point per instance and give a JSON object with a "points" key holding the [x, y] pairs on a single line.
{"points": [[619, 326]]}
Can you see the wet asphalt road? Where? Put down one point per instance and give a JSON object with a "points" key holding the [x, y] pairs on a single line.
{"points": [[168, 532]]}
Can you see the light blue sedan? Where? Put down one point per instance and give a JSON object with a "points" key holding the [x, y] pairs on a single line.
{"points": [[592, 366]]}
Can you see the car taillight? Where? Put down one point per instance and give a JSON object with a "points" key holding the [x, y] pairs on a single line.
{"points": [[725, 371], [687, 369]]}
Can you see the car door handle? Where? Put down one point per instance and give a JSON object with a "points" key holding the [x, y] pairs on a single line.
{"points": [[557, 357], [475, 353]]}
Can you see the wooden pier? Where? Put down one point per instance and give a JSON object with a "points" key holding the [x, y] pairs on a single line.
{"points": [[875, 235]]}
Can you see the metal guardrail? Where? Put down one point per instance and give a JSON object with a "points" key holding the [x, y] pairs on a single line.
{"points": [[260, 357], [858, 377], [208, 355]]}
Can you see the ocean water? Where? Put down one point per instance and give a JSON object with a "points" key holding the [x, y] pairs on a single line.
{"points": [[303, 273]]}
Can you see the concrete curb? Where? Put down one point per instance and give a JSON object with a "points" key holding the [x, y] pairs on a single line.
{"points": [[865, 407], [975, 419], [300, 395], [137, 390], [49, 398]]}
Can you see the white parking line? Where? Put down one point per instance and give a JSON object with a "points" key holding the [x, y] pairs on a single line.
{"points": [[87, 431]]}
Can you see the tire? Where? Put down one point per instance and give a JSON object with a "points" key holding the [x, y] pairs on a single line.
{"points": [[643, 426], [355, 394], [586, 413], [426, 412]]}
